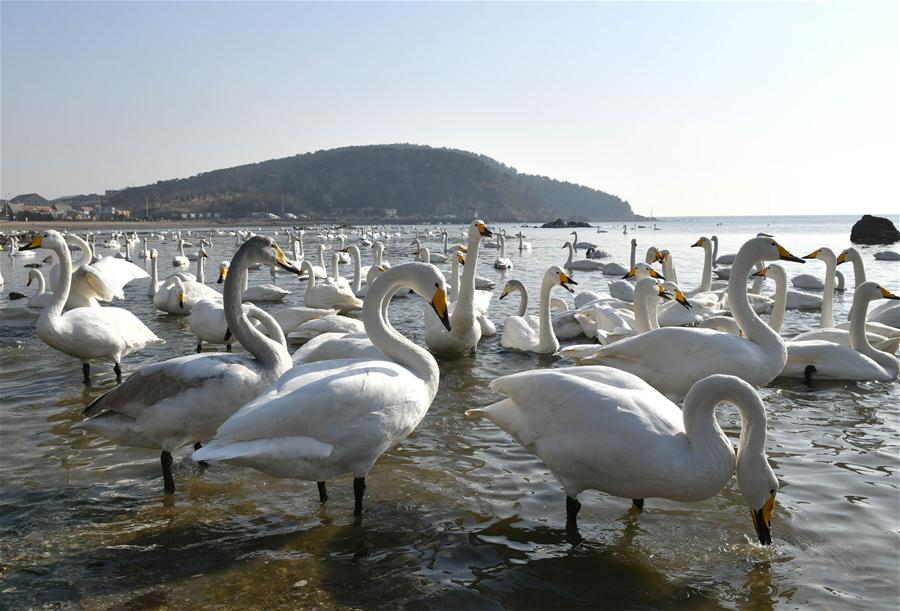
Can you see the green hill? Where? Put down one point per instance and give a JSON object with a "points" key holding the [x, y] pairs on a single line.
{"points": [[374, 181]]}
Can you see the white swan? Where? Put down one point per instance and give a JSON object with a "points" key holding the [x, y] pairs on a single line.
{"points": [[40, 299], [154, 285], [323, 420], [588, 265], [466, 331], [326, 324], [358, 271], [502, 261], [826, 255], [831, 361], [292, 317], [674, 358], [481, 301], [597, 428], [103, 280], [180, 259], [808, 281], [518, 333], [523, 245], [207, 321], [184, 400], [578, 244], [177, 296], [706, 275], [88, 334], [332, 293]]}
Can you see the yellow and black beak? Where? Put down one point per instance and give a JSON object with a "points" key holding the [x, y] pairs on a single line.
{"points": [[630, 274], [697, 243], [439, 303], [842, 258], [413, 243], [484, 231], [181, 300], [505, 292], [784, 255], [203, 254], [680, 298], [762, 521], [461, 259], [663, 292], [29, 281], [345, 249], [761, 273], [814, 254], [656, 274], [223, 273], [35, 243], [282, 262], [565, 281], [887, 294]]}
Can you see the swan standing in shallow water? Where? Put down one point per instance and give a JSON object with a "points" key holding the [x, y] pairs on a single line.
{"points": [[88, 334], [323, 420], [183, 400], [603, 429], [674, 358], [518, 334]]}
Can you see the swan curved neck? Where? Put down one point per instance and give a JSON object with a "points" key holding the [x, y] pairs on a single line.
{"points": [[828, 296], [269, 352], [154, 278], [523, 301], [571, 254], [749, 321], [547, 338], [391, 343], [859, 271], [858, 339], [780, 277], [63, 284], [454, 279], [702, 429], [502, 246], [706, 279], [357, 269]]}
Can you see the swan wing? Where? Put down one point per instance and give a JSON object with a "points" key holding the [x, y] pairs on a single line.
{"points": [[831, 361]]}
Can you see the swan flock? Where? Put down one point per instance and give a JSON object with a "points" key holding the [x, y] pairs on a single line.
{"points": [[652, 361]]}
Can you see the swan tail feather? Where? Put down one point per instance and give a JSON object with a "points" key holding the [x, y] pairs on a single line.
{"points": [[276, 448]]}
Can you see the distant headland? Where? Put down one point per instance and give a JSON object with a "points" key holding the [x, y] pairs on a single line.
{"points": [[373, 183]]}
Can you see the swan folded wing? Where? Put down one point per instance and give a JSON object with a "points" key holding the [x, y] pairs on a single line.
{"points": [[832, 361], [603, 395], [98, 283], [365, 401], [517, 333], [278, 449], [196, 374], [102, 333]]}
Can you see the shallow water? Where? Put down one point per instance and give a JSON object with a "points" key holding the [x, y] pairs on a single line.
{"points": [[458, 515]]}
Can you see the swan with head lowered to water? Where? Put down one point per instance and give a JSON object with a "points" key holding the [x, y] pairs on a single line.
{"points": [[323, 420], [183, 400], [672, 359], [599, 428]]}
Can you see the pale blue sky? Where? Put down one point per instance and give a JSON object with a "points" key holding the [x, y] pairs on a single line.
{"points": [[680, 108]]}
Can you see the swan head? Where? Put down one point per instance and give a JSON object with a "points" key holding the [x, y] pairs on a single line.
{"points": [[154, 254], [767, 249], [223, 272], [759, 486], [700, 242], [556, 275], [46, 239], [673, 290], [460, 259], [642, 270], [634, 241], [848, 254], [477, 229], [867, 291], [822, 254]]}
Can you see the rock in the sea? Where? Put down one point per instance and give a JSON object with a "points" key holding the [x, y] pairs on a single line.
{"points": [[874, 230], [887, 255], [561, 224]]}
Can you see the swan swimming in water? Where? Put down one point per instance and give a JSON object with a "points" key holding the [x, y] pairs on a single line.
{"points": [[599, 428], [183, 400], [518, 334], [323, 420]]}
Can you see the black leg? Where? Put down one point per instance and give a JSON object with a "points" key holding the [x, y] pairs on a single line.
{"points": [[168, 481], [638, 504], [199, 346], [359, 488], [227, 347], [323, 495], [808, 373], [86, 372], [572, 507], [118, 371], [202, 463]]}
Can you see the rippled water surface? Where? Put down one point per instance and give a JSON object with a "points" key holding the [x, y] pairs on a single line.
{"points": [[458, 515]]}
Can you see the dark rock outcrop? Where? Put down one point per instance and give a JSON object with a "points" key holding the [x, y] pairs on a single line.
{"points": [[874, 230], [561, 224]]}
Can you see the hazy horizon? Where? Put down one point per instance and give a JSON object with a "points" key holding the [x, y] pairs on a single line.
{"points": [[683, 109]]}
